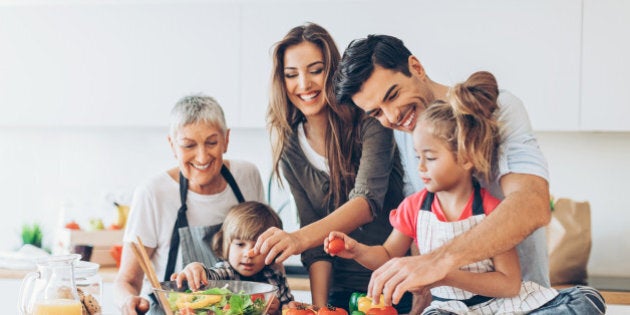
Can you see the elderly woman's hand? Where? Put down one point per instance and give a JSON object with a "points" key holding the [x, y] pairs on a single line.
{"points": [[278, 245], [135, 305]]}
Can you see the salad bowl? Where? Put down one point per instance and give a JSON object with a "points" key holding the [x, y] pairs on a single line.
{"points": [[219, 297]]}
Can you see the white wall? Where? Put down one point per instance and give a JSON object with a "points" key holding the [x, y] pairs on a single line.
{"points": [[43, 167], [81, 166], [594, 167]]}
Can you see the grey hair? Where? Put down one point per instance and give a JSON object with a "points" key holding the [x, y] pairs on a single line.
{"points": [[197, 108]]}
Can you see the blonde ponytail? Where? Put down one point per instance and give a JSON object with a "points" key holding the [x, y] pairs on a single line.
{"points": [[474, 103]]}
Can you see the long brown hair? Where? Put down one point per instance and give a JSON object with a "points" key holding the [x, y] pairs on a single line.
{"points": [[467, 122], [341, 140]]}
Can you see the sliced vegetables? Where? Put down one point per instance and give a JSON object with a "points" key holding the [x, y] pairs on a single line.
{"points": [[219, 301]]}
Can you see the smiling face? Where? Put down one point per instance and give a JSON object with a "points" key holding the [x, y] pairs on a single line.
{"points": [[304, 78], [395, 99], [240, 260], [199, 149], [438, 168]]}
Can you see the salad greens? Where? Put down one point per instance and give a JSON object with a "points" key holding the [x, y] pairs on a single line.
{"points": [[220, 301]]}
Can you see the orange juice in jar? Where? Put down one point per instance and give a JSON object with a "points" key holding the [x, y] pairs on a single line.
{"points": [[58, 307]]}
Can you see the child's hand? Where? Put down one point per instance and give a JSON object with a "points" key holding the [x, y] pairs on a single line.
{"points": [[195, 273], [340, 244]]}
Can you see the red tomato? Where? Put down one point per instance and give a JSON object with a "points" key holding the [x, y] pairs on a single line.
{"points": [[336, 246], [300, 311], [257, 296], [331, 310], [387, 310]]}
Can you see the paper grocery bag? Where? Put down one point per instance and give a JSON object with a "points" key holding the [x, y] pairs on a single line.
{"points": [[569, 242]]}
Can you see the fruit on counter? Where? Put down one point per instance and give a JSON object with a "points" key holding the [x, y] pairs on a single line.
{"points": [[96, 224], [113, 227], [336, 246], [72, 225], [122, 212], [331, 310]]}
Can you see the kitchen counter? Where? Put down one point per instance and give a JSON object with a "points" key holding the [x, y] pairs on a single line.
{"points": [[297, 282]]}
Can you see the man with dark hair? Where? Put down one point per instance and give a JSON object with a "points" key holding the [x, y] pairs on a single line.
{"points": [[381, 76]]}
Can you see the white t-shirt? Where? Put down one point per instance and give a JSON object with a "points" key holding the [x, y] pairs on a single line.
{"points": [[155, 204], [318, 161]]}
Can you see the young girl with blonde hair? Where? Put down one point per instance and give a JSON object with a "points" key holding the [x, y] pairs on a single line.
{"points": [[456, 143]]}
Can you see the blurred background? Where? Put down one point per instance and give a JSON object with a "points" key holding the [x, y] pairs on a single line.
{"points": [[86, 88]]}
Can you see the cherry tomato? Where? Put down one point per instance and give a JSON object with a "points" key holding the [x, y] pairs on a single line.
{"points": [[257, 296], [331, 310], [387, 310], [336, 246]]}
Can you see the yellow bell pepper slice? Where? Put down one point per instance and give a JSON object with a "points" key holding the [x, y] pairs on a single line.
{"points": [[364, 303], [202, 300]]}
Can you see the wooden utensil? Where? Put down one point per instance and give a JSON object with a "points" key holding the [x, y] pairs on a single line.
{"points": [[146, 265], [273, 297]]}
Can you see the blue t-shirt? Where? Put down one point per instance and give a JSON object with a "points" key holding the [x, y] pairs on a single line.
{"points": [[518, 153]]}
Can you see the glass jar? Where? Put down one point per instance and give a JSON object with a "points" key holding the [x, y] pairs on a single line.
{"points": [[87, 279]]}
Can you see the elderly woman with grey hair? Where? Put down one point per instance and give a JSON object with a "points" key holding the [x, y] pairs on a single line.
{"points": [[177, 211]]}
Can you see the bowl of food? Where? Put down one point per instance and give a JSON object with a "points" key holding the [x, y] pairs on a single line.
{"points": [[220, 297]]}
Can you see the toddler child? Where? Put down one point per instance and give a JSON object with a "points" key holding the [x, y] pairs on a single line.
{"points": [[233, 243]]}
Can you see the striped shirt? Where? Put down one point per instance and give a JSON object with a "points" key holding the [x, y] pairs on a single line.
{"points": [[223, 271]]}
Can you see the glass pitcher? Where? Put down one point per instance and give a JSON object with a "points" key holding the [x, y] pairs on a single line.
{"points": [[51, 289]]}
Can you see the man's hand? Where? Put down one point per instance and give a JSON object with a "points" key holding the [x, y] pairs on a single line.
{"points": [[411, 273]]}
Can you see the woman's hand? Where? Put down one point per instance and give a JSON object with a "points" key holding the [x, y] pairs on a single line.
{"points": [[274, 307], [128, 283], [344, 249], [278, 245], [135, 305], [195, 273]]}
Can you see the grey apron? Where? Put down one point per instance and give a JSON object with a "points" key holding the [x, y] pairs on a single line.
{"points": [[195, 241]]}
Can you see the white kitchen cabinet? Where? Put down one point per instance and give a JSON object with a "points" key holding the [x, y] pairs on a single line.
{"points": [[605, 103], [126, 63], [531, 46], [114, 63]]}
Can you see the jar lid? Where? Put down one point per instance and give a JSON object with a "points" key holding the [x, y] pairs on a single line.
{"points": [[84, 269]]}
